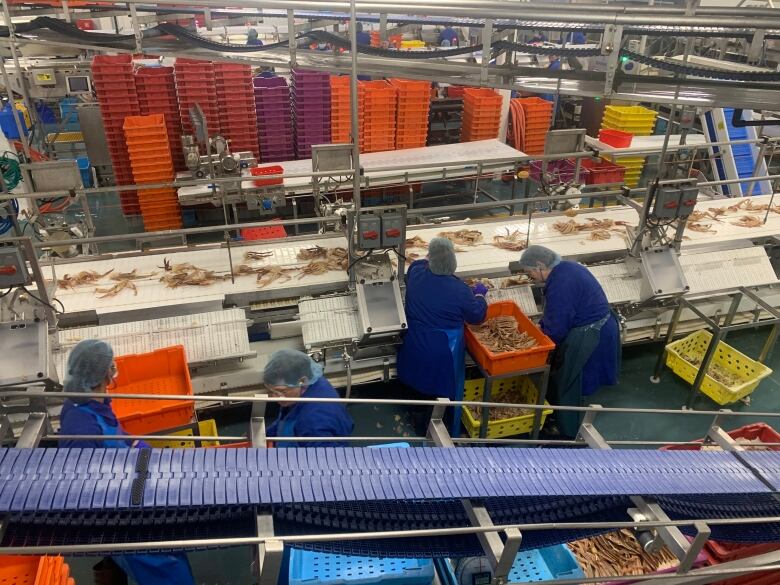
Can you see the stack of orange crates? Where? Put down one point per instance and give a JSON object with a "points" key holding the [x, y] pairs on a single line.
{"points": [[196, 84], [116, 93], [236, 97], [376, 40], [414, 100], [377, 101], [538, 115], [481, 114], [150, 157], [156, 88], [340, 112], [27, 570]]}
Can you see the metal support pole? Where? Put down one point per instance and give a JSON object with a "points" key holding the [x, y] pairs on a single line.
{"points": [[487, 39], [704, 366], [383, 26], [353, 98], [659, 364], [291, 37], [769, 344], [36, 425], [611, 46], [136, 29]]}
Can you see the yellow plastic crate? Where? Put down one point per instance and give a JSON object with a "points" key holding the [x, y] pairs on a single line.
{"points": [[631, 113], [64, 137], [474, 391], [695, 344], [206, 428], [635, 129]]}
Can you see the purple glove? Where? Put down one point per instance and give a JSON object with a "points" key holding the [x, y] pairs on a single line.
{"points": [[479, 289]]}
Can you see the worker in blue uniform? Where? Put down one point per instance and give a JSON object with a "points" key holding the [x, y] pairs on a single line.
{"points": [[91, 368], [448, 35], [575, 38], [293, 374], [252, 38], [578, 318], [438, 303], [363, 38]]}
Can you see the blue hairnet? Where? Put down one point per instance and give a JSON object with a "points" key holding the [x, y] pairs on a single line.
{"points": [[287, 367], [534, 256], [441, 257], [89, 363]]}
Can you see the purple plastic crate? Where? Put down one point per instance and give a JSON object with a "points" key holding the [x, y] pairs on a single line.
{"points": [[269, 82], [274, 128], [558, 171], [308, 74], [263, 118], [272, 93]]}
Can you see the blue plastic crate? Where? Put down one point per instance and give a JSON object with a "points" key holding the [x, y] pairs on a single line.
{"points": [[545, 564], [308, 567], [534, 566]]}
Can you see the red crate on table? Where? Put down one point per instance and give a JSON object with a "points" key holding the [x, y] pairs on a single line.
{"points": [[601, 172], [162, 372], [616, 138], [269, 170], [273, 232], [510, 361]]}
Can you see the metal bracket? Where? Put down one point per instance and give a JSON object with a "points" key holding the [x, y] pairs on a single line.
{"points": [[500, 554], [35, 427], [671, 535], [269, 553], [612, 37], [487, 38]]}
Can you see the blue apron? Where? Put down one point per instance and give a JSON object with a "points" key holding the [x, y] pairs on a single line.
{"points": [[566, 373], [105, 428], [285, 427], [145, 569], [457, 346]]}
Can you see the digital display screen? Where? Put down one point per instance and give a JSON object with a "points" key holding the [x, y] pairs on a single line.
{"points": [[77, 84]]}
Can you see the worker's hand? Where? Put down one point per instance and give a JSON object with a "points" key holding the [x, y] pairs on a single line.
{"points": [[479, 289]]}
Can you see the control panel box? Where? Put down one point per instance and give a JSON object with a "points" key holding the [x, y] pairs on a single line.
{"points": [[369, 231], [393, 228], [13, 271], [667, 202]]}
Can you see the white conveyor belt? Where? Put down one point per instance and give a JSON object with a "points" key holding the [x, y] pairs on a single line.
{"points": [[206, 337], [621, 283], [643, 144], [328, 319], [482, 259], [522, 295], [722, 270], [460, 160]]}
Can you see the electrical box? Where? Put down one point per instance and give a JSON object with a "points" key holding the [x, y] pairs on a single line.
{"points": [[667, 202], [44, 77], [393, 229], [13, 271], [690, 195], [369, 231]]}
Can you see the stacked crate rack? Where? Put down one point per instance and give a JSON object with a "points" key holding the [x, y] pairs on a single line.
{"points": [[481, 114], [274, 119], [29, 570], [537, 115], [414, 100], [150, 157], [196, 84], [636, 120], [236, 99], [377, 100], [311, 110], [340, 110], [156, 88], [114, 82]]}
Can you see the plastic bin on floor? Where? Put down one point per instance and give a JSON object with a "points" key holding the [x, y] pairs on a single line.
{"points": [[536, 566], [307, 568], [163, 371]]}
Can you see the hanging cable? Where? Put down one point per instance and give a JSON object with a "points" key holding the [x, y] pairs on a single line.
{"points": [[12, 175]]}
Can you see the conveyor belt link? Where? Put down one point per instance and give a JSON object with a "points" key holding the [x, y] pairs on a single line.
{"points": [[89, 479]]}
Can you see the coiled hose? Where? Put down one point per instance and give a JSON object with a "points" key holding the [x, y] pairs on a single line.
{"points": [[12, 175]]}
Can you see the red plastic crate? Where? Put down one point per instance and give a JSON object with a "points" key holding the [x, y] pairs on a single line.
{"points": [[510, 361], [269, 170], [601, 172], [616, 138], [273, 232], [163, 371]]}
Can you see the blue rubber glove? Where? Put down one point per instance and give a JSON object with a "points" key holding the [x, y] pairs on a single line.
{"points": [[479, 289]]}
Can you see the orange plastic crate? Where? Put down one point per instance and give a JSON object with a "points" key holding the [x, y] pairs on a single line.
{"points": [[19, 570], [269, 170], [481, 97], [510, 361], [163, 371]]}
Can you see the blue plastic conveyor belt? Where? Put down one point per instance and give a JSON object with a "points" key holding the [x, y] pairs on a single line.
{"points": [[93, 479], [83, 496]]}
